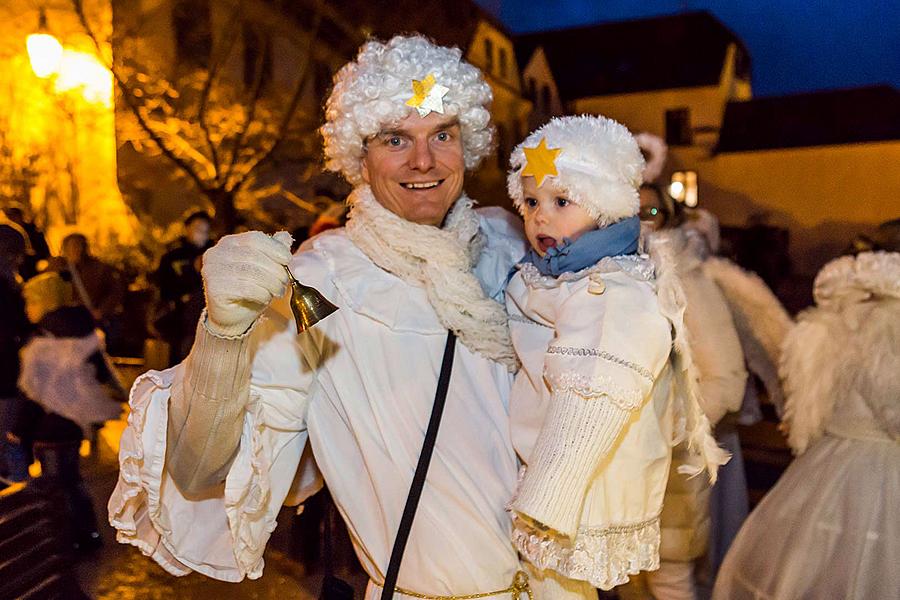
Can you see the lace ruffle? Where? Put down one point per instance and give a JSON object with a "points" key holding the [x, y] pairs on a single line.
{"points": [[591, 388], [603, 556], [637, 266]]}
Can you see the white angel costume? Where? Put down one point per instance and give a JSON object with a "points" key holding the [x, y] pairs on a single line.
{"points": [[830, 528], [359, 388], [601, 397]]}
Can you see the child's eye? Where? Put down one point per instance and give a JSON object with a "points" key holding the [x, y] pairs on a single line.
{"points": [[562, 202], [531, 202]]}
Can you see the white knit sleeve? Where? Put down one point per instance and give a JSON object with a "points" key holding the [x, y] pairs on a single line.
{"points": [[608, 349]]}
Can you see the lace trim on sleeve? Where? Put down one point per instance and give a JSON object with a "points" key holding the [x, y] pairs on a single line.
{"points": [[591, 388], [603, 556]]}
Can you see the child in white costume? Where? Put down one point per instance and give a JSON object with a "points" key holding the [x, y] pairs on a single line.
{"points": [[601, 396]]}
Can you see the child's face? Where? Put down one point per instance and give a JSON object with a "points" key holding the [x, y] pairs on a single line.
{"points": [[550, 216]]}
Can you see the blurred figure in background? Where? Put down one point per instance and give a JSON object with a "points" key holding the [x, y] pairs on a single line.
{"points": [[99, 287], [685, 519], [37, 244], [830, 527], [14, 331], [181, 287], [64, 370]]}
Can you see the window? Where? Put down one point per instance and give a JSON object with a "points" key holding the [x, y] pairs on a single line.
{"points": [[488, 55], [547, 99], [193, 33], [502, 63], [529, 89], [678, 127], [684, 188], [257, 56]]}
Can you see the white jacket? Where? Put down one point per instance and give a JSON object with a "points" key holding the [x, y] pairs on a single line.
{"points": [[592, 417], [359, 387]]}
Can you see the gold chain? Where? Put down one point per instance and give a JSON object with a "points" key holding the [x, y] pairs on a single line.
{"points": [[520, 585]]}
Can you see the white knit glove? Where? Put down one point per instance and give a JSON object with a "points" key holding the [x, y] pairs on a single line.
{"points": [[242, 273]]}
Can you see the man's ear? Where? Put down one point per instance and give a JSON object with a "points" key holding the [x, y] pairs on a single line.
{"points": [[364, 167]]}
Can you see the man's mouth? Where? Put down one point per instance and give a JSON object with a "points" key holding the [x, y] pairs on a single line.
{"points": [[421, 185], [546, 242]]}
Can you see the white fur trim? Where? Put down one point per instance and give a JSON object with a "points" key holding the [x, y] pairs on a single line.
{"points": [[657, 151], [370, 93], [600, 166]]}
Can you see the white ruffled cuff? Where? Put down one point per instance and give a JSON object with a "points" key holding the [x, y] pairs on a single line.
{"points": [[223, 535]]}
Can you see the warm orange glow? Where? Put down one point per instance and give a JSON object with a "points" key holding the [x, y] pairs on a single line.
{"points": [[45, 53], [83, 70]]}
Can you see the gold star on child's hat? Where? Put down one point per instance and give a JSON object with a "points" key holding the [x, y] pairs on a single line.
{"points": [[540, 162], [428, 96]]}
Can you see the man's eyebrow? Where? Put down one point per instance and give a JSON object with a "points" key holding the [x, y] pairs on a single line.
{"points": [[446, 124]]}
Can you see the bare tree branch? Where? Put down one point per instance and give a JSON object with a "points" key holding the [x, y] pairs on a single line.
{"points": [[129, 98], [255, 96], [292, 105], [219, 57]]}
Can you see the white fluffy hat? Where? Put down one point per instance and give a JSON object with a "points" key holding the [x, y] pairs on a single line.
{"points": [[599, 165], [373, 92]]}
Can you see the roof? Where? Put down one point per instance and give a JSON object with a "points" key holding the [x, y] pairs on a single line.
{"points": [[866, 114], [674, 51]]}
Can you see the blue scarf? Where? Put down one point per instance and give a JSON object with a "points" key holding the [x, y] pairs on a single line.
{"points": [[617, 239]]}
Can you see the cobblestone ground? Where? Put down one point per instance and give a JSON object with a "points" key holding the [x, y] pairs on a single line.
{"points": [[119, 572]]}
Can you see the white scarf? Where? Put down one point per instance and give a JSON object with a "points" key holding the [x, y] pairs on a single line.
{"points": [[440, 261]]}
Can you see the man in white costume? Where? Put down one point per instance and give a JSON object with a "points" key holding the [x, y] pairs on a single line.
{"points": [[213, 445]]}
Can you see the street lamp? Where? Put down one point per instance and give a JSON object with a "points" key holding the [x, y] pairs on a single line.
{"points": [[44, 51]]}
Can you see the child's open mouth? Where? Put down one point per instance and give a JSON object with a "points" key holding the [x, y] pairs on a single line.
{"points": [[422, 185], [546, 242]]}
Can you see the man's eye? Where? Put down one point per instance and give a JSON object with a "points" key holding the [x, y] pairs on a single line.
{"points": [[394, 140], [443, 136], [562, 202], [531, 202]]}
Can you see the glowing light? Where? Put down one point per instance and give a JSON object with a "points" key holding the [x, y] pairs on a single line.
{"points": [[85, 71], [684, 188], [45, 54]]}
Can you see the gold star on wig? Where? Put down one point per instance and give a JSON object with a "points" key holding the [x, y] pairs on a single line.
{"points": [[540, 162], [428, 96]]}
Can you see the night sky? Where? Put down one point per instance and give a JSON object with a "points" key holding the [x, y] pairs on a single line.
{"points": [[795, 46]]}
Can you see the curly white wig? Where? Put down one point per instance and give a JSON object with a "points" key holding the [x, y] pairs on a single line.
{"points": [[370, 94], [599, 167]]}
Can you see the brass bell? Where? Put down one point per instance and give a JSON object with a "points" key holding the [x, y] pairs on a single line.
{"points": [[307, 304]]}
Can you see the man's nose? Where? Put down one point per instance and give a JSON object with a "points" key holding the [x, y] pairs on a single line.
{"points": [[422, 158]]}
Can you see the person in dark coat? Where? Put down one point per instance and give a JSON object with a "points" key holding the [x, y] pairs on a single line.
{"points": [[14, 331], [181, 287]]}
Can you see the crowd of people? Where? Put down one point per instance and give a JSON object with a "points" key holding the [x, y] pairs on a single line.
{"points": [[602, 358]]}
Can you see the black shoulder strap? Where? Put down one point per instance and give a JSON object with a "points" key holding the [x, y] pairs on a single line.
{"points": [[418, 482]]}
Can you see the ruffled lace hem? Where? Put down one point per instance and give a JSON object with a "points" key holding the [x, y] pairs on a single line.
{"points": [[603, 556], [136, 510]]}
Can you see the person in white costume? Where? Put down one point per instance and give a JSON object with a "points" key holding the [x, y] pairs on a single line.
{"points": [[213, 445], [685, 520], [601, 396], [830, 528]]}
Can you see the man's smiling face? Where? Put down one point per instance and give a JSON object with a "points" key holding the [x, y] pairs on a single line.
{"points": [[416, 169]]}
